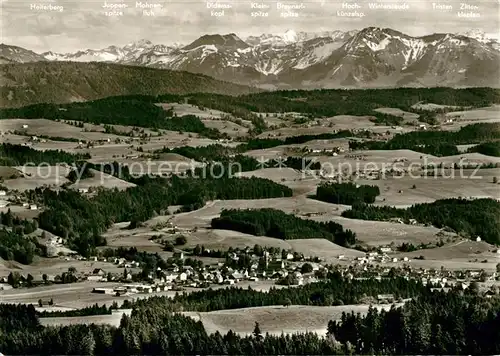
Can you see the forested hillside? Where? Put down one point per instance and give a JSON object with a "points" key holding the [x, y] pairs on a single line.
{"points": [[64, 82]]}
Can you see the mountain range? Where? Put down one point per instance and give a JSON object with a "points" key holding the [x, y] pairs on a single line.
{"points": [[371, 57]]}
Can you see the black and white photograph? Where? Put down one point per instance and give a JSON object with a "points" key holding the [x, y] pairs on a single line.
{"points": [[235, 177]]}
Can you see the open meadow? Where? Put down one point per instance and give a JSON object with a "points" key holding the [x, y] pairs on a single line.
{"points": [[277, 319]]}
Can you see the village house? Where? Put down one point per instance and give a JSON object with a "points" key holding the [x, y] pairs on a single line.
{"points": [[98, 272]]}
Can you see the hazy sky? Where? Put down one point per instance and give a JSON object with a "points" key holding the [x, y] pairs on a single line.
{"points": [[83, 24]]}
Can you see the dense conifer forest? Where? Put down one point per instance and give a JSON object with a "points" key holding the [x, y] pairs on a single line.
{"points": [[17, 155], [472, 218], [275, 223], [487, 148], [347, 193], [15, 240]]}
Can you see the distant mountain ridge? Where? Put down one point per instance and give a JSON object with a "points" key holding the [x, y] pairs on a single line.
{"points": [[371, 57]]}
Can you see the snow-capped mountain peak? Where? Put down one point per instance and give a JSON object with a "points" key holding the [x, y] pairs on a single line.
{"points": [[290, 36], [373, 56], [476, 34]]}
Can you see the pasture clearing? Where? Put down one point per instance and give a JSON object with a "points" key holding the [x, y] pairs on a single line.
{"points": [[45, 127], [188, 109], [296, 205], [299, 182], [277, 319], [225, 126], [489, 114], [432, 107], [412, 189], [322, 248], [384, 233], [36, 177], [56, 266], [101, 180], [111, 319]]}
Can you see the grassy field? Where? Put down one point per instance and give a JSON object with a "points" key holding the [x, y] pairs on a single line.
{"points": [[299, 182], [276, 319], [35, 177], [103, 180], [399, 191], [111, 319], [467, 117]]}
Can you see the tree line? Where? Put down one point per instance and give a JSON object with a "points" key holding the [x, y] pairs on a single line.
{"points": [[18, 155], [487, 148]]}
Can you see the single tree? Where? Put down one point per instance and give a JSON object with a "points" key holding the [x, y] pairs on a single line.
{"points": [[256, 331], [180, 240], [306, 268]]}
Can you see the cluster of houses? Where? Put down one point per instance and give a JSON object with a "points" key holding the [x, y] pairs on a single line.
{"points": [[437, 278], [375, 256], [7, 200]]}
